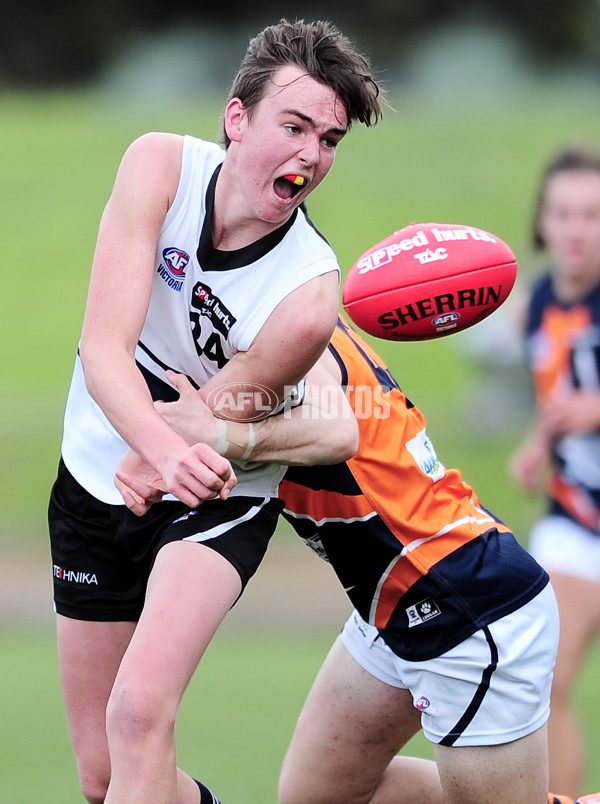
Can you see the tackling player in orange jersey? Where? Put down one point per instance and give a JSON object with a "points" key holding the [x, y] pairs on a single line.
{"points": [[455, 625], [454, 629]]}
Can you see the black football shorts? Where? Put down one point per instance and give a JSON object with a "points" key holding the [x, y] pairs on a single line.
{"points": [[102, 554]]}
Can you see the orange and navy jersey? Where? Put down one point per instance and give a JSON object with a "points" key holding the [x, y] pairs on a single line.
{"points": [[563, 354], [416, 552]]}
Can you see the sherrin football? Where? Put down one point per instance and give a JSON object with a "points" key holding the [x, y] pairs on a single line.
{"points": [[429, 280]]}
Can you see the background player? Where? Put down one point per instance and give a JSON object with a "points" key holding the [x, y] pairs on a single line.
{"points": [[203, 257], [561, 454]]}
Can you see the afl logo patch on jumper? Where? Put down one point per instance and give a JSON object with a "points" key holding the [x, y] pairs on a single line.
{"points": [[172, 268]]}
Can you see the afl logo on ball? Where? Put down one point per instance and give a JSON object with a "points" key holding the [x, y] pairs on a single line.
{"points": [[446, 319]]}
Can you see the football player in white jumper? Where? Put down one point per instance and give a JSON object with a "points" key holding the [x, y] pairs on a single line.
{"points": [[205, 264]]}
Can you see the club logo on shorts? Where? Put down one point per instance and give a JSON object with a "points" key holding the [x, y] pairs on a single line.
{"points": [[74, 576], [172, 269], [421, 612], [422, 703]]}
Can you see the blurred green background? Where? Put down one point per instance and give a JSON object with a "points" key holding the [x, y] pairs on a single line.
{"points": [[471, 127]]}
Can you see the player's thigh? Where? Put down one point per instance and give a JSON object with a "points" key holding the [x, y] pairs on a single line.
{"points": [[190, 590], [579, 607], [89, 656], [351, 726], [571, 554], [206, 558], [502, 774]]}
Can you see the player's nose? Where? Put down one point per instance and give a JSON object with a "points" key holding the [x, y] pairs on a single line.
{"points": [[310, 151]]}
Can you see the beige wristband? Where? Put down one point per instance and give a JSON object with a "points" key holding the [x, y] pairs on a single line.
{"points": [[251, 442], [222, 444]]}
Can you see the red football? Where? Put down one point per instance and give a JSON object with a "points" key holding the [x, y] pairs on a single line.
{"points": [[428, 280]]}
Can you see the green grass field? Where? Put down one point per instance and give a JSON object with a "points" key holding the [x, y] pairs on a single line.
{"points": [[473, 162], [235, 721]]}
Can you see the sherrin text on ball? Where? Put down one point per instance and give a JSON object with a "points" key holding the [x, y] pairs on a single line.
{"points": [[428, 280]]}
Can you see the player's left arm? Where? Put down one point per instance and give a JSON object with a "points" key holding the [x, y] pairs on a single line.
{"points": [[287, 346], [321, 430]]}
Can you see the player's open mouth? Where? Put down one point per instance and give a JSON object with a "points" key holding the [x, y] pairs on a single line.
{"points": [[288, 186]]}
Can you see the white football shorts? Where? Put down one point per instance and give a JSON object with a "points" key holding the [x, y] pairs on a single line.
{"points": [[492, 688], [562, 545]]}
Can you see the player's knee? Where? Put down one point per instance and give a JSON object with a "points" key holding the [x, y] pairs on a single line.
{"points": [[93, 767], [135, 712], [93, 788]]}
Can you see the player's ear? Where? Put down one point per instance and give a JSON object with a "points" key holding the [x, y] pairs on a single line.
{"points": [[235, 119]]}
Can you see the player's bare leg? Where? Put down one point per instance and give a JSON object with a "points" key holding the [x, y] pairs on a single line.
{"points": [[579, 606], [89, 656], [496, 774], [191, 588], [350, 728]]}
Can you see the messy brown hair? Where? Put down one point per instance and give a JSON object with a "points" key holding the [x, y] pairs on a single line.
{"points": [[323, 53]]}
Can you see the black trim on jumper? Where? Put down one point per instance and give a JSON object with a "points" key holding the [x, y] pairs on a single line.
{"points": [[212, 259]]}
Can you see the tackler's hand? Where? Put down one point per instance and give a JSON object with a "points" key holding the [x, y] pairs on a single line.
{"points": [[189, 416], [139, 483]]}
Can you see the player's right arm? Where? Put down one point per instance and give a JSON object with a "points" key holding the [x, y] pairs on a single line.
{"points": [[118, 300]]}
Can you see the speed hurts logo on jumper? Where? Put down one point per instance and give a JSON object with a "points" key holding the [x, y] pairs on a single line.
{"points": [[210, 305], [172, 268]]}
